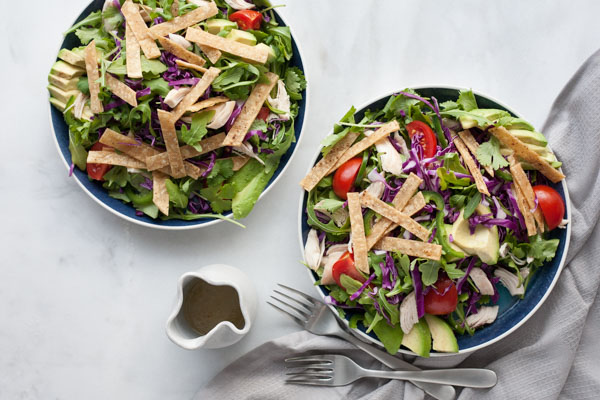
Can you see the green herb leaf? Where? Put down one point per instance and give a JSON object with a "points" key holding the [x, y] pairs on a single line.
{"points": [[390, 336], [295, 82], [488, 154], [453, 272], [176, 197], [472, 205], [429, 272], [197, 129], [466, 100]]}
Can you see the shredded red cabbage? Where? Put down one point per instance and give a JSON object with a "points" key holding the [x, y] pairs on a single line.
{"points": [[418, 285], [236, 111], [357, 294]]}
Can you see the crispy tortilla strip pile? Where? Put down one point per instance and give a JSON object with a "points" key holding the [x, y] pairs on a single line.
{"points": [[180, 51], [525, 190], [404, 195], [357, 226], [529, 221], [121, 90], [524, 153], [250, 111], [188, 65], [184, 21], [112, 158], [167, 125], [475, 172], [131, 12], [196, 92], [472, 145], [91, 67], [411, 247], [161, 160], [250, 53]]}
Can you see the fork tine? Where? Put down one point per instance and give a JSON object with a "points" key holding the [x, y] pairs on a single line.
{"points": [[324, 358], [308, 382], [311, 370], [314, 376], [289, 314], [301, 294], [303, 313], [308, 307]]}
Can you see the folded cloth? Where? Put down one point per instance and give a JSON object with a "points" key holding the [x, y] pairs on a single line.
{"points": [[553, 355]]}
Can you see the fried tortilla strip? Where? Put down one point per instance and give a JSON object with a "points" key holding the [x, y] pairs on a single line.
{"points": [[527, 216], [521, 180], [185, 64], [133, 60], [141, 151], [131, 12], [322, 168], [112, 158], [180, 51], [212, 54], [523, 152], [185, 20], [357, 227], [167, 125], [404, 195], [160, 195], [194, 94], [161, 160], [121, 90], [412, 248], [389, 212], [416, 204], [475, 172], [201, 105], [91, 67], [239, 162], [250, 111], [251, 53], [380, 133], [472, 145]]}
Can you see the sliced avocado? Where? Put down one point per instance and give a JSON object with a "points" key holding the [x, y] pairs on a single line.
{"points": [[452, 245], [66, 70], [72, 58], [215, 26], [529, 137], [443, 337], [418, 339], [519, 123], [241, 37], [484, 243], [62, 83], [62, 95], [491, 114], [272, 54], [58, 104]]}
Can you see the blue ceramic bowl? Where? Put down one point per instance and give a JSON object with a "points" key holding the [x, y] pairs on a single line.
{"points": [[95, 190], [512, 313]]}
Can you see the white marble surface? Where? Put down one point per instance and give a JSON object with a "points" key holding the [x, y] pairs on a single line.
{"points": [[84, 296]]}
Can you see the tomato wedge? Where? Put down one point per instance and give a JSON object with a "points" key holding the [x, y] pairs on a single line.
{"points": [[345, 265], [263, 114], [444, 301], [428, 139], [344, 177], [247, 19], [97, 171], [553, 206]]}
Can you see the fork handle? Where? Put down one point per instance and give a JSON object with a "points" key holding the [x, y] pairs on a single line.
{"points": [[466, 377], [438, 391]]}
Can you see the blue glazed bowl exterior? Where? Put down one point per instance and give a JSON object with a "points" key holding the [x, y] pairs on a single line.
{"points": [[94, 188], [512, 313]]}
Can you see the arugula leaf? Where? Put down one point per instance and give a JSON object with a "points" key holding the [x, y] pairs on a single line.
{"points": [[474, 201], [150, 210], [390, 336], [244, 200], [150, 68], [197, 130], [175, 195], [112, 18], [78, 153], [452, 163], [83, 86], [448, 178], [449, 105], [258, 125], [458, 201], [158, 86], [94, 20], [331, 205], [453, 272], [116, 177], [466, 100], [429, 272], [339, 132], [103, 41], [351, 285], [295, 83], [488, 154], [482, 121], [399, 102]]}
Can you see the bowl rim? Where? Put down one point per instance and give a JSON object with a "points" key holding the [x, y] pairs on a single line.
{"points": [[435, 354], [196, 225]]}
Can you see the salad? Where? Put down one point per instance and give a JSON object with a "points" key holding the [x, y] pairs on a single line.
{"points": [[182, 109], [420, 212]]}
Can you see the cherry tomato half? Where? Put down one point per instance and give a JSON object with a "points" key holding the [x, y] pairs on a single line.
{"points": [[345, 265], [344, 177], [247, 19], [97, 171], [263, 114], [441, 304], [552, 205], [428, 140]]}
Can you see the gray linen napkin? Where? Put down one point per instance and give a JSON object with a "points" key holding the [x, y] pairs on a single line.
{"points": [[556, 354]]}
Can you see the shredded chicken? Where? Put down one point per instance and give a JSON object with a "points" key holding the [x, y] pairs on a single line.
{"points": [[109, 25], [327, 262], [408, 313], [79, 104], [510, 281], [339, 216], [222, 114], [485, 315], [337, 248], [175, 96], [391, 161], [200, 3], [400, 140], [180, 40], [245, 149], [524, 272], [481, 281], [313, 250], [239, 4], [563, 224], [376, 189], [281, 102]]}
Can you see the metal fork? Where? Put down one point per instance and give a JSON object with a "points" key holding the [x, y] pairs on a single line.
{"points": [[338, 370], [314, 316]]}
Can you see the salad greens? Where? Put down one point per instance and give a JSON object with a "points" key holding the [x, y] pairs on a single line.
{"points": [[232, 178], [483, 238]]}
